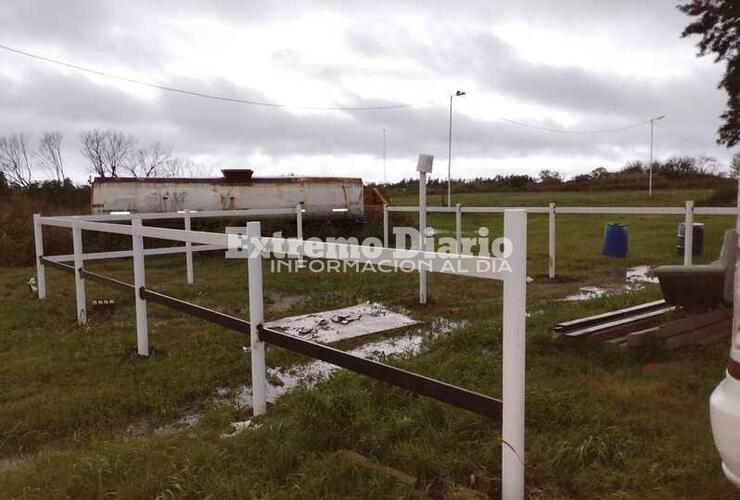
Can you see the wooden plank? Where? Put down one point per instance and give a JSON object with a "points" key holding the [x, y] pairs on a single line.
{"points": [[369, 463], [618, 340], [640, 337], [626, 329], [693, 322], [621, 323], [611, 315], [704, 334], [721, 334], [452, 490]]}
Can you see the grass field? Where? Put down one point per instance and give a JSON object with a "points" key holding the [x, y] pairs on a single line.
{"points": [[82, 417]]}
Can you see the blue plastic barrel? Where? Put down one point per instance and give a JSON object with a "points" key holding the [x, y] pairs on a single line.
{"points": [[698, 242], [615, 240]]}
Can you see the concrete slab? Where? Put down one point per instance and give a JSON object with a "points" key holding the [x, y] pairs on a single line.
{"points": [[327, 327]]}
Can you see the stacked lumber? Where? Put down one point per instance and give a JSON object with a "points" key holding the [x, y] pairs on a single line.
{"points": [[613, 324], [646, 323], [698, 329]]}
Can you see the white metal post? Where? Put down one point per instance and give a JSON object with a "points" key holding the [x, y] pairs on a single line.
{"points": [[79, 280], [299, 221], [458, 228], [188, 251], [256, 318], [650, 164], [688, 234], [385, 225], [142, 329], [514, 342], [551, 243], [422, 234], [38, 238], [299, 226], [449, 160]]}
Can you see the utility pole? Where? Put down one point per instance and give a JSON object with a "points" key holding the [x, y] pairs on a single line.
{"points": [[650, 166], [385, 179], [449, 151]]}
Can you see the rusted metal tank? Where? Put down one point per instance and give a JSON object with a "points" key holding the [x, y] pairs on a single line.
{"points": [[322, 197]]}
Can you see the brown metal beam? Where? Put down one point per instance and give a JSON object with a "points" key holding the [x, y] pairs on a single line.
{"points": [[441, 391]]}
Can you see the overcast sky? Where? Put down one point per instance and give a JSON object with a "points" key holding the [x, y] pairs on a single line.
{"points": [[567, 65]]}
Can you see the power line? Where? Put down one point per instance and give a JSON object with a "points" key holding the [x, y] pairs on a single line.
{"points": [[204, 95], [686, 139], [565, 131]]}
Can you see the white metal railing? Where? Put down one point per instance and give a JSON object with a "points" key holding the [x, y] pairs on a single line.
{"points": [[688, 211], [194, 214], [205, 241], [514, 299]]}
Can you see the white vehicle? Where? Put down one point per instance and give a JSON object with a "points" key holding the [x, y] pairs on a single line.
{"points": [[724, 410]]}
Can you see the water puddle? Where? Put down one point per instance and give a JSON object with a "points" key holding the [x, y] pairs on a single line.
{"points": [[635, 278], [640, 274], [283, 380], [586, 293], [326, 327]]}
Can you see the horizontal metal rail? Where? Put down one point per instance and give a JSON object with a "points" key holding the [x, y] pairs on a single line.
{"points": [[202, 237], [621, 210], [715, 210], [225, 320], [247, 212], [105, 280], [391, 258], [396, 258], [500, 210], [57, 265], [441, 391], [118, 254], [576, 210]]}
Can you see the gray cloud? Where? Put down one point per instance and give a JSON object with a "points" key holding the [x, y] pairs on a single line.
{"points": [[457, 43]]}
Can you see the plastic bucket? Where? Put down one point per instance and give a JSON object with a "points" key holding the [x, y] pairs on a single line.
{"points": [[698, 243], [615, 240]]}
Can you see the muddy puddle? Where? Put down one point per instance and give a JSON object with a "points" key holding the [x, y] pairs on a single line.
{"points": [[283, 380], [341, 324], [635, 278]]}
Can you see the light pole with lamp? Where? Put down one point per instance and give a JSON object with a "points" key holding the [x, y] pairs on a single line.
{"points": [[385, 179], [458, 93], [650, 166]]}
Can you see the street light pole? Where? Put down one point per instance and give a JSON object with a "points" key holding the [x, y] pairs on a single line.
{"points": [[650, 166], [385, 179], [449, 151]]}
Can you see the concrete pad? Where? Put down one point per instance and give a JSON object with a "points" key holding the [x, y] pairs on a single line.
{"points": [[341, 324]]}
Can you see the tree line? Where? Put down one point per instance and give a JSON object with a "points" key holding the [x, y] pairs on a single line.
{"points": [[675, 172], [109, 153]]}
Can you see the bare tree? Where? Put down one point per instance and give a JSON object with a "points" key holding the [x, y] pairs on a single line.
{"points": [[177, 167], [118, 150], [50, 155], [107, 151], [151, 162], [735, 165], [93, 148], [14, 160]]}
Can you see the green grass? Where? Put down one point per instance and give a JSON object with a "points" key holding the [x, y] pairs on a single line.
{"points": [[79, 411]]}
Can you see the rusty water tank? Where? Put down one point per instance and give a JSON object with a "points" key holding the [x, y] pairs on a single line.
{"points": [[237, 174]]}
